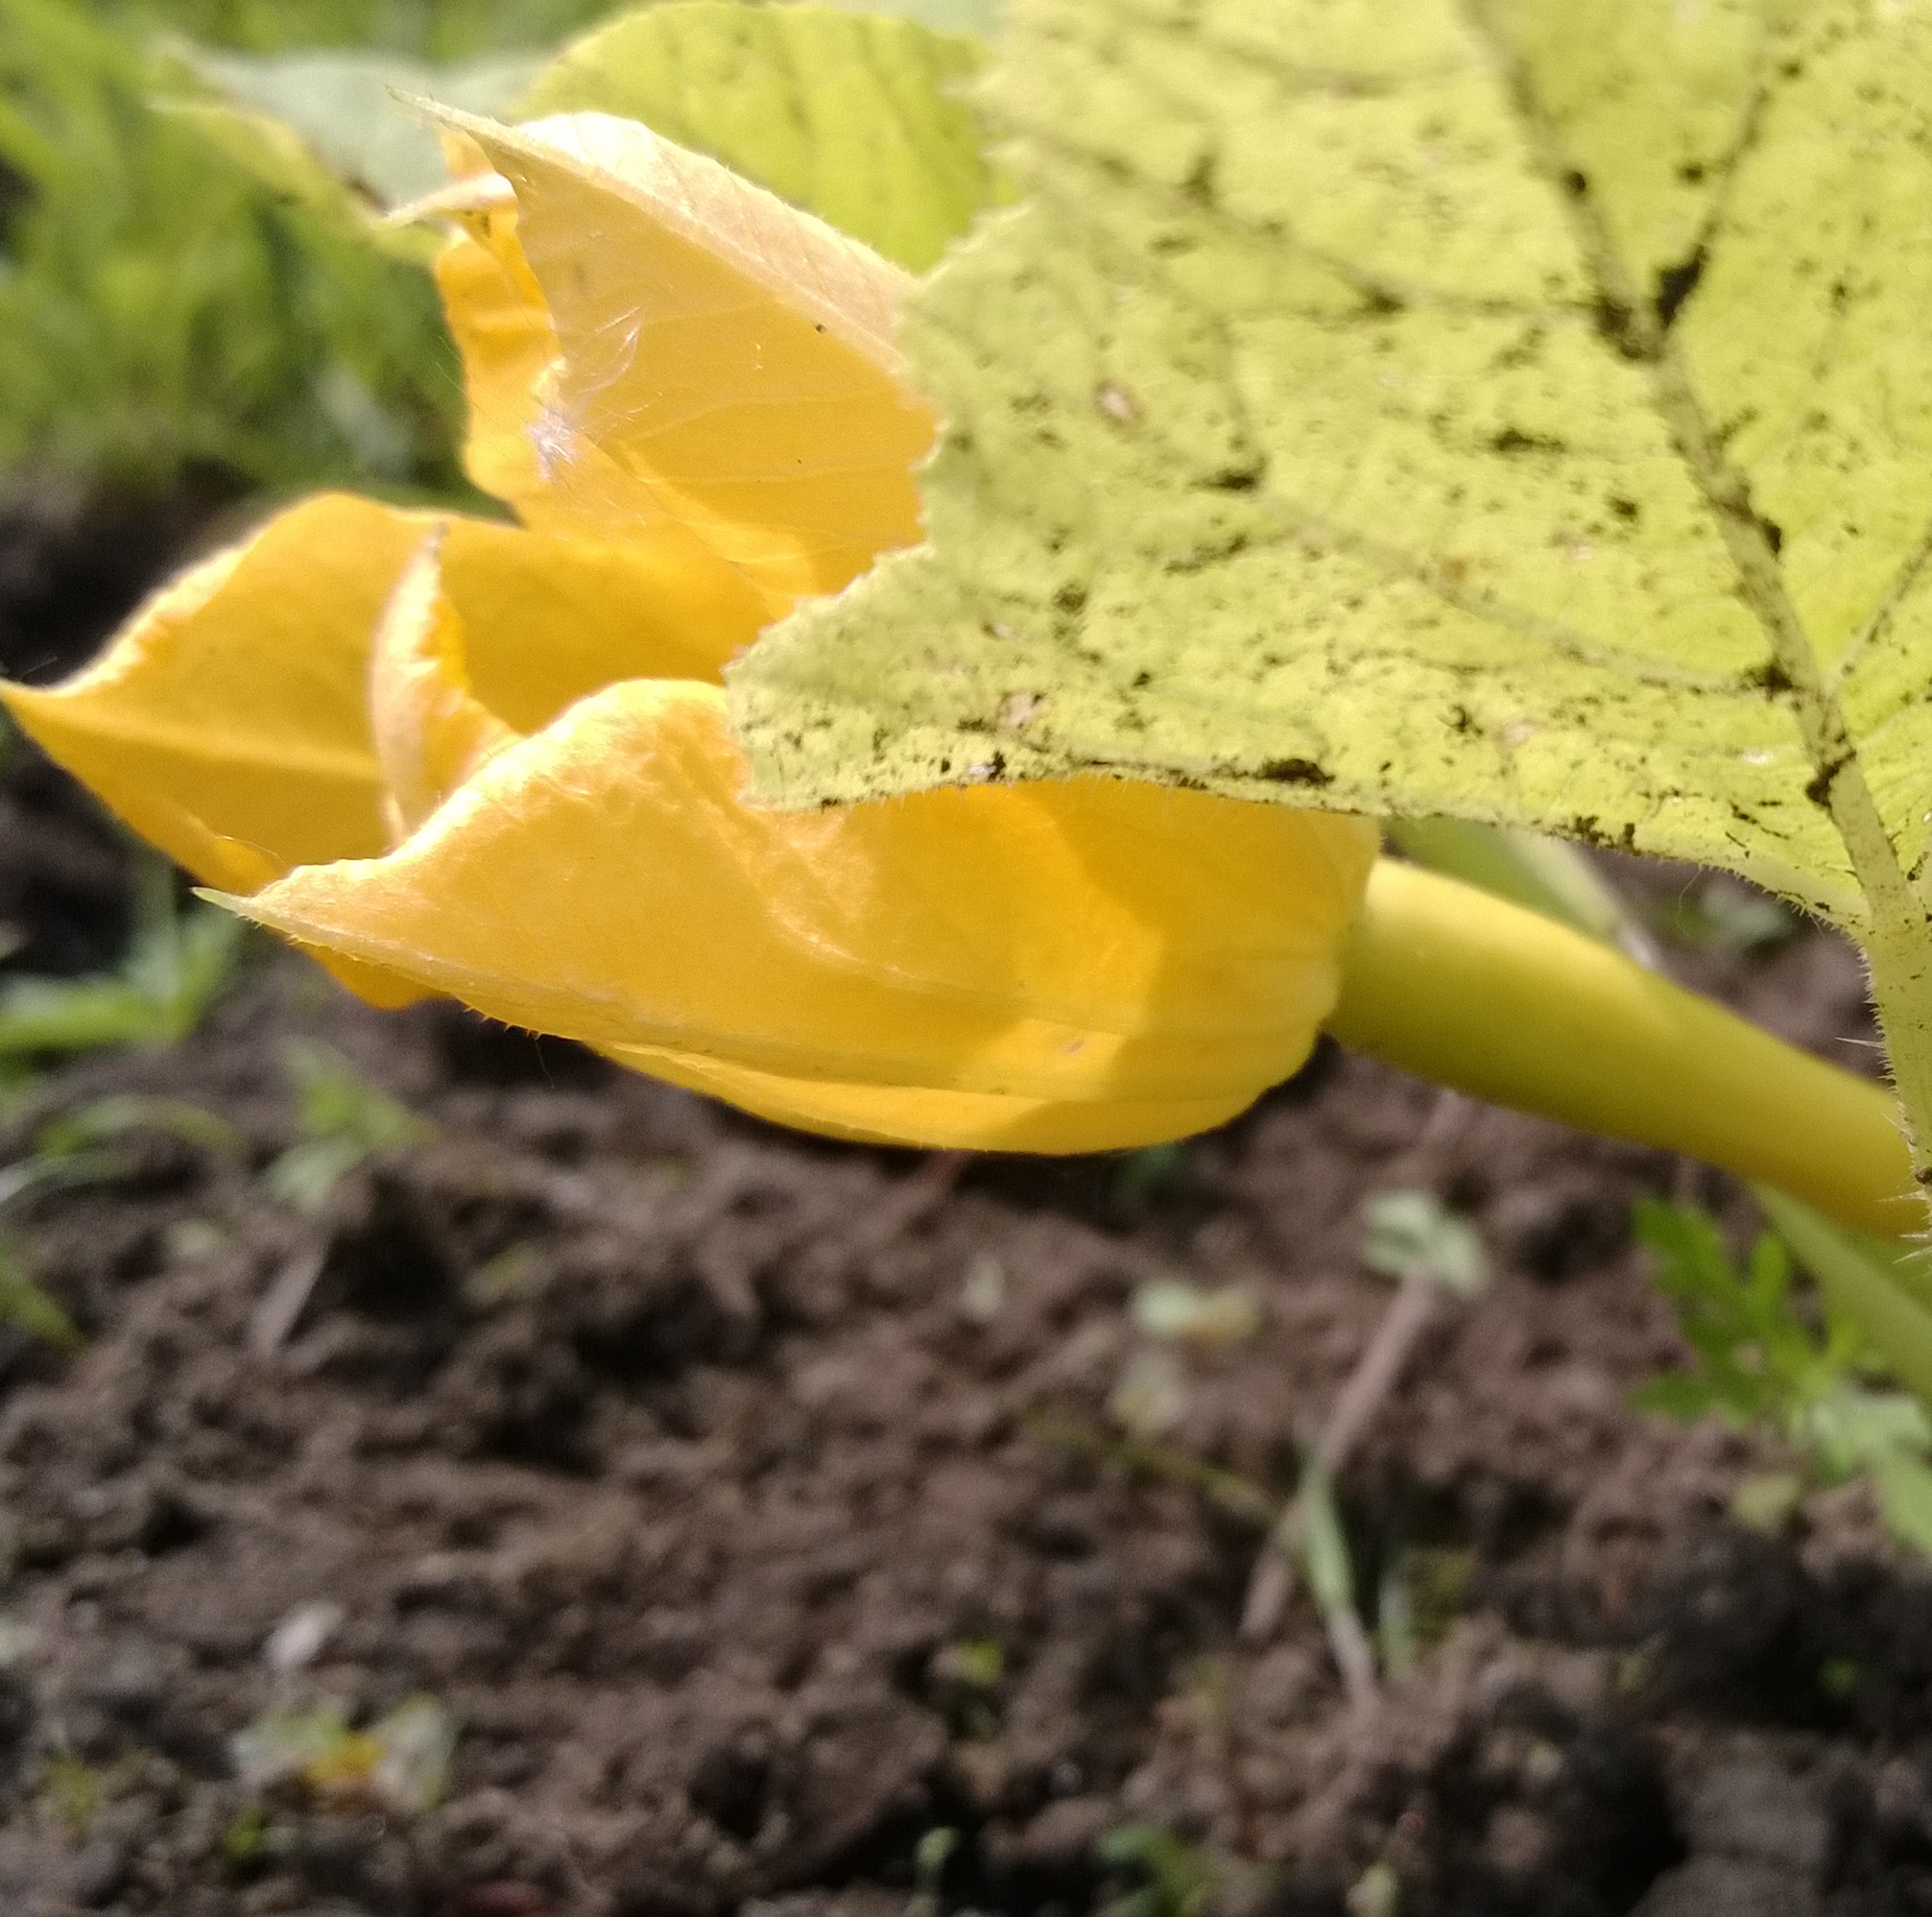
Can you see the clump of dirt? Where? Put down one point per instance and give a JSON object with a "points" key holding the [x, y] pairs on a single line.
{"points": [[755, 1513]]}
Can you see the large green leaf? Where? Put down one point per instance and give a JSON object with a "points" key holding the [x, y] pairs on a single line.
{"points": [[317, 123], [852, 115], [1511, 409], [977, 17]]}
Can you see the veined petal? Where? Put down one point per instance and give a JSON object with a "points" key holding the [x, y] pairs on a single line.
{"points": [[728, 357], [604, 881], [698, 608]]}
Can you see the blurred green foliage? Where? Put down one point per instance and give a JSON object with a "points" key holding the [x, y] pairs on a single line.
{"points": [[162, 309], [1756, 1360], [426, 29]]}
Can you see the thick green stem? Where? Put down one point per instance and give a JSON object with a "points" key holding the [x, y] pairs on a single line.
{"points": [[1462, 988]]}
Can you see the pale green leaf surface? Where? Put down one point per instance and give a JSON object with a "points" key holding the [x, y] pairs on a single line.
{"points": [[280, 159], [854, 115], [979, 19], [1515, 410], [297, 118]]}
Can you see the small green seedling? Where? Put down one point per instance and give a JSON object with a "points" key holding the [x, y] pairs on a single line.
{"points": [[965, 1678], [105, 1120], [174, 970], [344, 1119], [28, 1308], [1758, 1361], [1411, 1236], [1210, 1318], [74, 1789], [1176, 1880], [400, 1763], [78, 1148], [1142, 1179], [931, 1855], [1329, 1569], [1412, 1233]]}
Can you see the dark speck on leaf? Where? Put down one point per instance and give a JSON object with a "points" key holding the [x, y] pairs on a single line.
{"points": [[1513, 440], [1297, 772], [1675, 284]]}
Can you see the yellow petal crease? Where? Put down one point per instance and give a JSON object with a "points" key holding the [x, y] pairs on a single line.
{"points": [[725, 361], [604, 881], [502, 329], [431, 730]]}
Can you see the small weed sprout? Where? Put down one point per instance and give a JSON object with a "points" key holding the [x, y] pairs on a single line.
{"points": [[178, 966], [1757, 1361], [344, 1119]]}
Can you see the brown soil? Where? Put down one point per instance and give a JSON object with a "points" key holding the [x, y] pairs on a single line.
{"points": [[756, 1519]]}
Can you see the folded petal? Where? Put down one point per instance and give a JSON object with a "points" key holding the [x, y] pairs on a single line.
{"points": [[1062, 942], [501, 327], [431, 730], [726, 360], [229, 721]]}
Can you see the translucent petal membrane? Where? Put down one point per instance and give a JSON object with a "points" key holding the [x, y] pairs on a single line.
{"points": [[725, 361], [1079, 941]]}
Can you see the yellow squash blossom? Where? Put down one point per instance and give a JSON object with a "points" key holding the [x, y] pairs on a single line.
{"points": [[492, 761]]}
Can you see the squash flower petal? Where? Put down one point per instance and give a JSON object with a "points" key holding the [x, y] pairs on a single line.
{"points": [[725, 362], [492, 761], [603, 880], [229, 723]]}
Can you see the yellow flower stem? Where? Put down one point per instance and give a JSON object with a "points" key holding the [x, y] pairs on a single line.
{"points": [[1464, 988]]}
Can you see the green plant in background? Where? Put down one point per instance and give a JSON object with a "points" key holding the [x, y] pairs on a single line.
{"points": [[1170, 1877], [161, 309], [1758, 1361], [177, 966], [164, 306], [438, 30], [28, 1308], [343, 1118]]}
